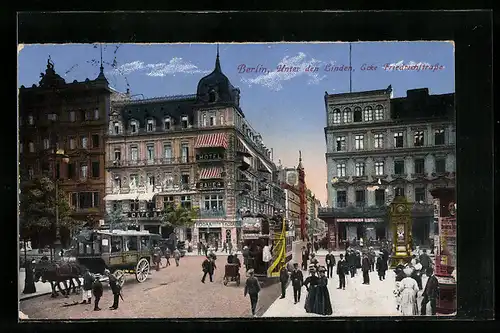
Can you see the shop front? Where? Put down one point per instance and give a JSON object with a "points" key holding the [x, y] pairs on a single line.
{"points": [[146, 220], [361, 228], [215, 231]]}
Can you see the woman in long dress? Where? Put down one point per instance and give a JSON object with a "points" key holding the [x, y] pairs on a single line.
{"points": [[408, 289], [324, 305], [311, 284]]}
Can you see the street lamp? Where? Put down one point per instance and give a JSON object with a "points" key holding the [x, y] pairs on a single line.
{"points": [[59, 153]]}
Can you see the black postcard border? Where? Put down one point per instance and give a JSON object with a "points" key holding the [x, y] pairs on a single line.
{"points": [[471, 32]]}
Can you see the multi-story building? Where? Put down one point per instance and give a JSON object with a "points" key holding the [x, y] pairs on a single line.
{"points": [[196, 150], [56, 116], [292, 181], [377, 148], [316, 226]]}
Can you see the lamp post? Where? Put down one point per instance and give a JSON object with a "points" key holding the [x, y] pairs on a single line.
{"points": [[65, 159]]}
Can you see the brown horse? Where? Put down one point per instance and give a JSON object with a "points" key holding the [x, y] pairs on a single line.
{"points": [[55, 273]]}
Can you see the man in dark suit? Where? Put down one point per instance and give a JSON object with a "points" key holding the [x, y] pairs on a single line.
{"points": [[252, 288], [430, 292], [330, 262], [341, 270], [284, 280], [297, 281], [305, 258], [365, 267], [425, 261]]}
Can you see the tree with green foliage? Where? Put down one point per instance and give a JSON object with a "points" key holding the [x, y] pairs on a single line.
{"points": [[37, 211], [179, 216], [116, 220]]}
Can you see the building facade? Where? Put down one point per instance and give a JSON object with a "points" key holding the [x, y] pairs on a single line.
{"points": [[316, 226], [72, 117], [379, 147], [189, 150]]}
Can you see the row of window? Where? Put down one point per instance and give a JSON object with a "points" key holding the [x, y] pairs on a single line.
{"points": [[72, 143], [83, 115], [210, 120], [347, 115], [168, 124], [380, 196], [150, 152], [399, 167], [151, 181], [398, 140]]}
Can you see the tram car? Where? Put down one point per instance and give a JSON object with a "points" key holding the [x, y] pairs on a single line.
{"points": [[260, 231], [121, 252]]}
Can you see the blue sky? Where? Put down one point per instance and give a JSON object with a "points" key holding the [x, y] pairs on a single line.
{"points": [[287, 108]]}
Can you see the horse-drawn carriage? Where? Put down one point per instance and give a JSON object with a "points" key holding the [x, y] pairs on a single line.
{"points": [[119, 251]]}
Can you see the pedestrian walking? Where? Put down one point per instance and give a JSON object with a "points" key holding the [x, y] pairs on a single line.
{"points": [[252, 288], [330, 262], [230, 246], [205, 249], [216, 246], [324, 305], [305, 257], [408, 288], [381, 268], [208, 267], [430, 293], [425, 261], [365, 267], [371, 258], [115, 289], [284, 280], [199, 248], [416, 275], [167, 256], [351, 262], [341, 271], [97, 290], [314, 261], [311, 284], [177, 257], [224, 247], [246, 255], [297, 282], [88, 280]]}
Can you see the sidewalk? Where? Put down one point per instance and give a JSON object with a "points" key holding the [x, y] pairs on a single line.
{"points": [[41, 288]]}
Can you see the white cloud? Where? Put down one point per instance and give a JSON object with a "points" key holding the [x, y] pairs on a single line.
{"points": [[175, 65], [393, 66], [273, 79]]}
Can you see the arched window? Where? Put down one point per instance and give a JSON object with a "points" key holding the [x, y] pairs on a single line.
{"points": [[212, 96], [358, 116], [134, 127], [167, 124], [368, 114], [379, 112], [150, 125], [347, 115], [221, 120], [204, 120], [116, 129], [336, 116]]}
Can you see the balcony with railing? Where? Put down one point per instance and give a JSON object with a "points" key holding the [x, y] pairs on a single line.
{"points": [[211, 213], [417, 210]]}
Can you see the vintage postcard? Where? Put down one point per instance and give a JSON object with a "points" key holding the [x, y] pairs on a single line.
{"points": [[237, 180]]}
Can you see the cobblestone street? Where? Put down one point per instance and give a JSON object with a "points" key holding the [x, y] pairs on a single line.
{"points": [[174, 292]]}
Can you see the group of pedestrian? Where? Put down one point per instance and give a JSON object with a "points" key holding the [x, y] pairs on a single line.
{"points": [[409, 283], [92, 285]]}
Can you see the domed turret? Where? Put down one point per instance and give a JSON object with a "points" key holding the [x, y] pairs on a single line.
{"points": [[216, 88]]}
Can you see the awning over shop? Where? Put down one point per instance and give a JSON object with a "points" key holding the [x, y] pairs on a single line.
{"points": [[119, 197], [211, 173], [146, 196], [212, 140]]}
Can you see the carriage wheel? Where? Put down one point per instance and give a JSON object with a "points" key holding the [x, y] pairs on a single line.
{"points": [[142, 270], [120, 277], [238, 281], [225, 281]]}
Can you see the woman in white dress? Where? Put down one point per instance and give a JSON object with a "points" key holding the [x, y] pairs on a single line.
{"points": [[408, 289]]}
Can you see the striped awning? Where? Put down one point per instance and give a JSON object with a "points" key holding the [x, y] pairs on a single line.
{"points": [[212, 140], [211, 173]]}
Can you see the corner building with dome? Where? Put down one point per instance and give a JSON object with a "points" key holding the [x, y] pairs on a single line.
{"points": [[188, 150]]}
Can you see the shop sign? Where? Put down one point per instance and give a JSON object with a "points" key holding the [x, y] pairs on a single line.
{"points": [[251, 225], [209, 156], [210, 185], [214, 224], [250, 236], [437, 211], [448, 227], [149, 214], [361, 220]]}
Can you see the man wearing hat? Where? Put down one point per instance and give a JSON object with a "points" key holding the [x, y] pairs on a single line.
{"points": [[115, 288], [330, 262], [365, 267], [297, 282], [341, 270], [97, 290], [252, 288], [284, 280]]}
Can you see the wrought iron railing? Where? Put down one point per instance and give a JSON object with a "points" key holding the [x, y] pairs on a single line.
{"points": [[207, 213]]}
